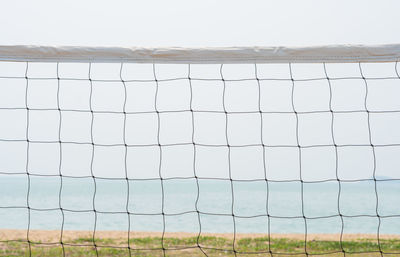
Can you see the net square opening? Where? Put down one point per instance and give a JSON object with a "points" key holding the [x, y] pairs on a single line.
{"points": [[42, 94], [13, 124], [241, 96], [247, 163], [359, 225], [109, 161], [184, 221], [385, 128], [74, 95], [209, 128], [212, 162], [145, 197], [351, 128], [12, 69], [140, 96], [44, 219], [177, 161], [111, 195], [279, 129], [147, 223], [12, 93], [318, 163], [67, 70], [250, 198], [170, 71], [76, 159], [180, 195], [378, 69], [326, 225], [315, 129], [238, 71], [383, 95], [320, 200], [285, 199], [76, 127], [309, 96], [175, 128], [44, 158], [113, 222], [273, 71], [205, 71], [282, 163], [44, 125], [13, 157], [108, 96], [281, 225], [343, 70], [276, 96], [243, 129], [358, 198], [212, 223], [108, 128], [388, 199], [42, 70], [306, 71], [104, 71], [207, 95], [43, 192], [13, 190], [85, 221], [137, 71], [246, 225], [218, 190], [355, 162], [143, 162], [387, 162], [77, 194], [141, 129], [173, 95], [348, 95], [16, 218]]}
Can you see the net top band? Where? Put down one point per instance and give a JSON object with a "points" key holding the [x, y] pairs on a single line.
{"points": [[312, 54]]}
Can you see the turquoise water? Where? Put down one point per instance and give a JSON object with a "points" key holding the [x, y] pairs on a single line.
{"points": [[357, 203]]}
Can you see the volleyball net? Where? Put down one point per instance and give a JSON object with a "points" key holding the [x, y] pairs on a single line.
{"points": [[237, 140]]}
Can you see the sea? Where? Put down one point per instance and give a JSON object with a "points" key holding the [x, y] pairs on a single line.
{"points": [[206, 205]]}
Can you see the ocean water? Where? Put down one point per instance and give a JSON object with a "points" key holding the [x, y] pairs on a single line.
{"points": [[251, 201]]}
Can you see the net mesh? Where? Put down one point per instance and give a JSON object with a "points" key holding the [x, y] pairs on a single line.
{"points": [[270, 149]]}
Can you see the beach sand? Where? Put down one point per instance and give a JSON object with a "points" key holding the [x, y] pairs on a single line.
{"points": [[47, 243], [54, 235]]}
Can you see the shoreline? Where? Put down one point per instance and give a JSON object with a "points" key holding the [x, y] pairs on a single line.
{"points": [[54, 235]]}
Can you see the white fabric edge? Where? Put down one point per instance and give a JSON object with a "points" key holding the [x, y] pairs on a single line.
{"points": [[312, 54]]}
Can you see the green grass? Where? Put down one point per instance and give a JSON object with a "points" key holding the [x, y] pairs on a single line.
{"points": [[213, 246]]}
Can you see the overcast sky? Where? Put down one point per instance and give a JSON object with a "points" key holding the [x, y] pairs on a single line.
{"points": [[199, 23]]}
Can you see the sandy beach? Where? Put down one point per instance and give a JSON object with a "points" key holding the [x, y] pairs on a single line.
{"points": [[54, 235], [46, 243]]}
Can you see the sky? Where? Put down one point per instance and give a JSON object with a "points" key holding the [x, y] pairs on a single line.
{"points": [[203, 23], [189, 23]]}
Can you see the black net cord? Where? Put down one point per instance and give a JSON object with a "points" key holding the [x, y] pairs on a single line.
{"points": [[60, 162], [126, 162], [336, 160], [160, 160], [299, 159], [264, 160], [92, 160], [374, 158], [194, 164], [27, 160], [229, 159]]}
